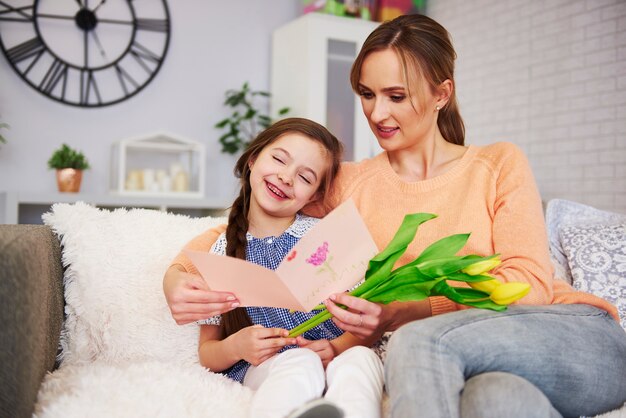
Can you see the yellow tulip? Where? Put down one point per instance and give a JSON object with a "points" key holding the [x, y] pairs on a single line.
{"points": [[487, 286], [481, 267], [507, 293]]}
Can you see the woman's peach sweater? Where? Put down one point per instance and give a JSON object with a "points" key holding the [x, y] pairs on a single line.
{"points": [[490, 193]]}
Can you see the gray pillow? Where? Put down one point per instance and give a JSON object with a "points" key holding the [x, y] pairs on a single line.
{"points": [[597, 260], [564, 213]]}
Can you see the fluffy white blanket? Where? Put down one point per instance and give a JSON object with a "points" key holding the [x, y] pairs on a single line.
{"points": [[140, 389]]}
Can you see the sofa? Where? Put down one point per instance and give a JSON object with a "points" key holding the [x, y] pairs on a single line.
{"points": [[86, 330]]}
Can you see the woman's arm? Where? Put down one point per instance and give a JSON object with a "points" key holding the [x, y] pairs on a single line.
{"points": [[253, 344], [519, 232], [190, 299], [187, 294]]}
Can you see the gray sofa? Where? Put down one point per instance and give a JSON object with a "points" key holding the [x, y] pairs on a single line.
{"points": [[31, 312], [118, 333]]}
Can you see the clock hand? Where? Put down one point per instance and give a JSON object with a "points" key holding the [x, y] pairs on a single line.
{"points": [[119, 22], [49, 16], [86, 41], [98, 44], [98, 6]]}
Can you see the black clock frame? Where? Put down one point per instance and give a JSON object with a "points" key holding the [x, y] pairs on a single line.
{"points": [[86, 20]]}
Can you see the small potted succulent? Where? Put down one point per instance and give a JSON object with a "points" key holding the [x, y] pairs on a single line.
{"points": [[69, 164]]}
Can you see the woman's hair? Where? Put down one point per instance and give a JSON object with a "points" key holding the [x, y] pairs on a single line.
{"points": [[425, 49], [238, 224]]}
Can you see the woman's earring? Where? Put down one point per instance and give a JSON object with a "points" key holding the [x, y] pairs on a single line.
{"points": [[437, 108]]}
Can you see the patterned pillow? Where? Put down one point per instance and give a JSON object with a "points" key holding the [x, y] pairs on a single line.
{"points": [[562, 213], [597, 260]]}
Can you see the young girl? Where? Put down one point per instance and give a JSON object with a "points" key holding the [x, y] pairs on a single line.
{"points": [[287, 166]]}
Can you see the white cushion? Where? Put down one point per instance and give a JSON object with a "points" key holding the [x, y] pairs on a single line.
{"points": [[115, 262]]}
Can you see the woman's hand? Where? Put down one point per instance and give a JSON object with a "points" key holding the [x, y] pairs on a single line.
{"points": [[366, 319], [362, 318], [322, 348], [255, 344], [190, 299]]}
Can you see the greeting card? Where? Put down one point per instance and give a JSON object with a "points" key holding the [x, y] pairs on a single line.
{"points": [[332, 257]]}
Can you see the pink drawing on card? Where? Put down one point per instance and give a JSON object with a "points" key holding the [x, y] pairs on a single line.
{"points": [[320, 258]]}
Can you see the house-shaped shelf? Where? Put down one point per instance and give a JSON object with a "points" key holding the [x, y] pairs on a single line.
{"points": [[159, 164]]}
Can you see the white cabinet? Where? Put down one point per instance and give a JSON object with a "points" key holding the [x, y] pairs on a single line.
{"points": [[311, 61]]}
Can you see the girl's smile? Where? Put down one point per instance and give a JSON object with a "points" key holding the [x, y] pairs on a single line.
{"points": [[275, 191]]}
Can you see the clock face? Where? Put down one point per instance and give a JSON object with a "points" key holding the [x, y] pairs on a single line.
{"points": [[87, 53]]}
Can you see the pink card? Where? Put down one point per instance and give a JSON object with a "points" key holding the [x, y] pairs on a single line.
{"points": [[332, 257]]}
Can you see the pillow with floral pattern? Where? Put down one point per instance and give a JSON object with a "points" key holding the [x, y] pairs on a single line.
{"points": [[561, 213], [597, 260]]}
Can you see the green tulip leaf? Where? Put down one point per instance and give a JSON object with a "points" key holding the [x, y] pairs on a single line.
{"points": [[448, 265], [445, 247], [459, 276]]}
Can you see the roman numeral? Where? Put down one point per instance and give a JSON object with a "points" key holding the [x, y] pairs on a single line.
{"points": [[122, 76], [143, 55], [87, 84], [56, 72], [21, 11], [25, 50], [154, 25]]}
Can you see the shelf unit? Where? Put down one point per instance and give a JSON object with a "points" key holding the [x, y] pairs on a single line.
{"points": [[27, 207], [311, 61]]}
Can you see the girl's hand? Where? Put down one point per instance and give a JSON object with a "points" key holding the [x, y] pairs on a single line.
{"points": [[362, 318], [190, 299], [322, 348], [255, 344]]}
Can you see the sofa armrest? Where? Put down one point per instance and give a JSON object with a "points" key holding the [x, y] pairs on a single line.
{"points": [[31, 313]]}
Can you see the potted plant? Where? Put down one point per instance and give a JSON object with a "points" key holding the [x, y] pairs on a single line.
{"points": [[69, 164], [246, 120]]}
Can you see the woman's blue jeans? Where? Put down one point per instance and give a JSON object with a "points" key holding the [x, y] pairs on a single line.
{"points": [[526, 361]]}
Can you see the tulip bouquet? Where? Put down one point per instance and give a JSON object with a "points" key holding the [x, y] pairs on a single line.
{"points": [[428, 274]]}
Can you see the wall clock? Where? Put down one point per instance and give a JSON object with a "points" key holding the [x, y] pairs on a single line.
{"points": [[87, 53]]}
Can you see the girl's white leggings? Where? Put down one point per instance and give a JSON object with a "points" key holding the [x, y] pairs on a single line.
{"points": [[354, 382]]}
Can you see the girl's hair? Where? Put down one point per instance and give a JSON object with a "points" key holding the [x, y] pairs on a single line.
{"points": [[424, 48], [237, 228]]}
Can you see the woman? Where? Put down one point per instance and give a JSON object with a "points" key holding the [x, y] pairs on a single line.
{"points": [[540, 359]]}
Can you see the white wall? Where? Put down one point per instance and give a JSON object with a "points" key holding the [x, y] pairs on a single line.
{"points": [[549, 76], [214, 46]]}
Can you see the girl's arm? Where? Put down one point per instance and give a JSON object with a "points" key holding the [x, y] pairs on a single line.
{"points": [[253, 344]]}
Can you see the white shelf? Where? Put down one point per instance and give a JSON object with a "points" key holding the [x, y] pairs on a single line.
{"points": [[12, 204]]}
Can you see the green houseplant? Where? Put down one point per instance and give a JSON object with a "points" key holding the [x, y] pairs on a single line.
{"points": [[69, 164], [245, 121], [66, 157]]}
